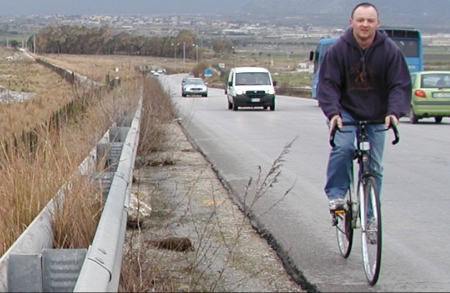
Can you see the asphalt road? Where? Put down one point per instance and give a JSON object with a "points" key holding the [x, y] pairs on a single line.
{"points": [[415, 196]]}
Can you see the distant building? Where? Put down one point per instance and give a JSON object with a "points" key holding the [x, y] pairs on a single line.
{"points": [[235, 32]]}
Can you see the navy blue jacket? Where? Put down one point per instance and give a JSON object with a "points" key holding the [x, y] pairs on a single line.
{"points": [[369, 84]]}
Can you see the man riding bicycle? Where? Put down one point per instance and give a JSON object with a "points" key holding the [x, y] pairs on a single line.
{"points": [[363, 76]]}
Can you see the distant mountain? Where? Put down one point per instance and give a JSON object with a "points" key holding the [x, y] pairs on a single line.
{"points": [[416, 13]]}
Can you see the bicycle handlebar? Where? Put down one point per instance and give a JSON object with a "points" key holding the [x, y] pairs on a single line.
{"points": [[365, 122]]}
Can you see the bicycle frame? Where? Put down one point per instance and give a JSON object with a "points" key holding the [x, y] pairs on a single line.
{"points": [[362, 155], [363, 159], [368, 214]]}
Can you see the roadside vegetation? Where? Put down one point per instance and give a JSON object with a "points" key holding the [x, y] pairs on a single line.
{"points": [[35, 169]]}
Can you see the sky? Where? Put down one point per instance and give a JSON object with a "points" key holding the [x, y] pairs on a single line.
{"points": [[77, 7]]}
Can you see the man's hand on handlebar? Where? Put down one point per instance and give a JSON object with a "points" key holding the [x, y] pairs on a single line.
{"points": [[335, 120], [390, 122], [390, 119]]}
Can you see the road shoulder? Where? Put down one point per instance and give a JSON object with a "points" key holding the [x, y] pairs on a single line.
{"points": [[189, 203]]}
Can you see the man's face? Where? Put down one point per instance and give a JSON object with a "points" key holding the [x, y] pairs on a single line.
{"points": [[364, 22]]}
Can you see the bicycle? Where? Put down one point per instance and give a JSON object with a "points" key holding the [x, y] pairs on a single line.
{"points": [[362, 210]]}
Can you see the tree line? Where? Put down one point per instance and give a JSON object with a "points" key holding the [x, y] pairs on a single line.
{"points": [[67, 39]]}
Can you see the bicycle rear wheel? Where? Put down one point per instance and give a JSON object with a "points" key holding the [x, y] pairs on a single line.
{"points": [[371, 230], [344, 228]]}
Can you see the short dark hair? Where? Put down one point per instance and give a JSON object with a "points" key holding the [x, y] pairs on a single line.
{"points": [[365, 4]]}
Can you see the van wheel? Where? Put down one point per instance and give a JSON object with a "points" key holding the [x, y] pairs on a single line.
{"points": [[438, 119], [272, 108], [230, 106], [235, 107]]}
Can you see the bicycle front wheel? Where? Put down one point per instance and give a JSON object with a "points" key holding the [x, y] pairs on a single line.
{"points": [[371, 229], [344, 228]]}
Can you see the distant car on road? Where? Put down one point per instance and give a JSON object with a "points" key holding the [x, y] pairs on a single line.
{"points": [[193, 86], [430, 95]]}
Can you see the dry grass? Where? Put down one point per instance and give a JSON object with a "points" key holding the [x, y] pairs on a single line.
{"points": [[157, 114], [52, 92], [77, 214], [99, 66], [32, 179]]}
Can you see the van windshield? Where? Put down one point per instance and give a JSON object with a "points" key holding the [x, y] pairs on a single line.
{"points": [[252, 78]]}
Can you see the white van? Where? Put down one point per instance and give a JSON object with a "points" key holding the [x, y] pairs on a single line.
{"points": [[250, 87]]}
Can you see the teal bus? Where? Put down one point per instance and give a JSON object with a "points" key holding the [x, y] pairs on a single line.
{"points": [[409, 41]]}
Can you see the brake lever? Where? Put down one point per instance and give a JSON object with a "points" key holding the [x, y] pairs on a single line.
{"points": [[333, 133], [395, 130]]}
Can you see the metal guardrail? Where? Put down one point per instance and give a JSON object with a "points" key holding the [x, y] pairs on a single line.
{"points": [[32, 265], [101, 268]]}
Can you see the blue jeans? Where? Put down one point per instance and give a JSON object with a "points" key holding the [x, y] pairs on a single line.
{"points": [[342, 155]]}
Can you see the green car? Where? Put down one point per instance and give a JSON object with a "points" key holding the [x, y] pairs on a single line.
{"points": [[430, 95]]}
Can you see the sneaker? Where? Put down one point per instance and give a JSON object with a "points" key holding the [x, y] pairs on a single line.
{"points": [[336, 204], [372, 231]]}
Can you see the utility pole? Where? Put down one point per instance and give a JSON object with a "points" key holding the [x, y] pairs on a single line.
{"points": [[196, 51], [184, 52], [175, 54]]}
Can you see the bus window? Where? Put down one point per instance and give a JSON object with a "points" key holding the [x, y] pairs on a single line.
{"points": [[409, 48]]}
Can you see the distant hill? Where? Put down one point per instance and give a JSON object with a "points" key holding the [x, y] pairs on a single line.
{"points": [[423, 14]]}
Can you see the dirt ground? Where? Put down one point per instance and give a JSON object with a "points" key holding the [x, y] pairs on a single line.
{"points": [[192, 237]]}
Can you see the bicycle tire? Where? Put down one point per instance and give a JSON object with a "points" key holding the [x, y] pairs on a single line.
{"points": [[344, 227], [371, 239]]}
